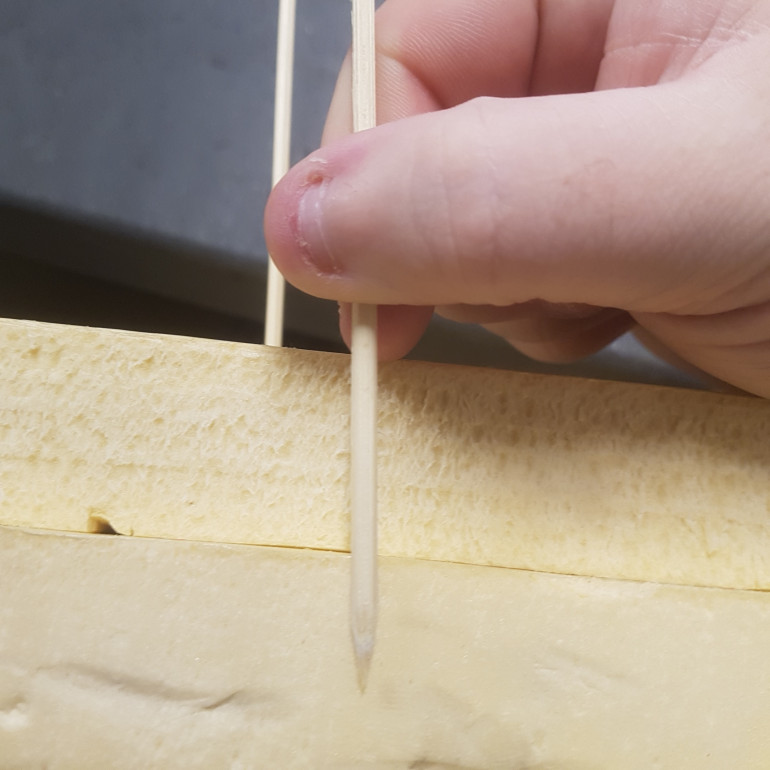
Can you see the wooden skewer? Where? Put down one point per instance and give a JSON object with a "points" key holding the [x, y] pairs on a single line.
{"points": [[284, 79], [363, 400]]}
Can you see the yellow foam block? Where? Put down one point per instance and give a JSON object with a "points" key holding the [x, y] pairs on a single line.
{"points": [[575, 575]]}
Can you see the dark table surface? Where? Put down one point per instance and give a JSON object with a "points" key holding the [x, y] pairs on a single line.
{"points": [[146, 126]]}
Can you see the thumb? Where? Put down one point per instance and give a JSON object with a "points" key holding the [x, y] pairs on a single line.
{"points": [[622, 198]]}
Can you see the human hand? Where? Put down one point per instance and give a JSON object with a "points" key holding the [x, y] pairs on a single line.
{"points": [[616, 174]]}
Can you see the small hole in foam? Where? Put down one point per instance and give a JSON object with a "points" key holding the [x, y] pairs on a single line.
{"points": [[99, 525]]}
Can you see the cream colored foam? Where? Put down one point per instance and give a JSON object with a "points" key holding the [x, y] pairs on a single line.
{"points": [[135, 654], [141, 653], [173, 437]]}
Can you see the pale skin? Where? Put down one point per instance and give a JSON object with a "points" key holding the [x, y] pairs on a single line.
{"points": [[559, 171]]}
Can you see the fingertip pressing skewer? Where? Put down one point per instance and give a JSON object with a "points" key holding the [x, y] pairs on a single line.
{"points": [[284, 79], [363, 402]]}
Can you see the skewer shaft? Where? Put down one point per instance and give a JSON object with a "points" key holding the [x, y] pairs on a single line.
{"points": [[363, 407], [363, 472]]}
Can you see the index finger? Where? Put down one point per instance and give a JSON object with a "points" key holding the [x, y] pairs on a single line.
{"points": [[436, 54]]}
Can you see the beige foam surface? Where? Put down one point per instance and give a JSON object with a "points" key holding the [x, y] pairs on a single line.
{"points": [[138, 653], [183, 438]]}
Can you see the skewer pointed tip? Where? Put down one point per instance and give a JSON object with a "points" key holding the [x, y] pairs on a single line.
{"points": [[364, 649]]}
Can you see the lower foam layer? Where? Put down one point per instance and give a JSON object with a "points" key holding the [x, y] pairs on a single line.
{"points": [[120, 653]]}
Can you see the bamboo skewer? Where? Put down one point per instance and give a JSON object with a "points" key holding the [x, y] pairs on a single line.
{"points": [[363, 493], [284, 79], [363, 399]]}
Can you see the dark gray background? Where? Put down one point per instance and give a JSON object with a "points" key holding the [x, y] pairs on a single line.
{"points": [[135, 155]]}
